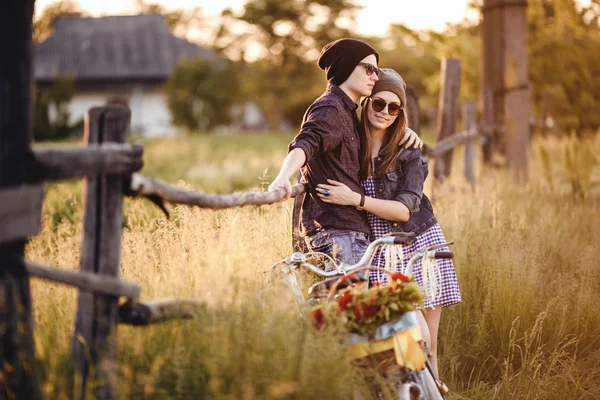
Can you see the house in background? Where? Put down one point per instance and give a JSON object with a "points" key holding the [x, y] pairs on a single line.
{"points": [[124, 59]]}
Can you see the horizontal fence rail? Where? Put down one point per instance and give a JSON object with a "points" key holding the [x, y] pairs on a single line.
{"points": [[450, 142], [154, 312], [85, 281], [149, 187], [66, 162]]}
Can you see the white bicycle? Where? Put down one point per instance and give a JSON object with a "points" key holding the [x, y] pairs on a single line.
{"points": [[396, 349]]}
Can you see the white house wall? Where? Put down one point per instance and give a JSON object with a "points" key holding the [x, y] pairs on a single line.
{"points": [[156, 117], [150, 116]]}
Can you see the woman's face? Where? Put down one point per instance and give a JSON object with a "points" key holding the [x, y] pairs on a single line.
{"points": [[381, 120]]}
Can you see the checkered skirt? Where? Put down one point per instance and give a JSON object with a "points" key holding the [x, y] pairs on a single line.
{"points": [[450, 292]]}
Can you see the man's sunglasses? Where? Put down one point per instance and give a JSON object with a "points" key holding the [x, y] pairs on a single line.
{"points": [[370, 68], [379, 105]]}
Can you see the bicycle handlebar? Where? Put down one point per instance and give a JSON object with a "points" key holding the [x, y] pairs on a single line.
{"points": [[300, 259], [443, 254]]}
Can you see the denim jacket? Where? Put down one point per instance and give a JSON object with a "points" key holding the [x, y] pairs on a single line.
{"points": [[404, 183]]}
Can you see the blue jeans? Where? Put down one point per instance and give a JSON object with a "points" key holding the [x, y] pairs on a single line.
{"points": [[345, 246]]}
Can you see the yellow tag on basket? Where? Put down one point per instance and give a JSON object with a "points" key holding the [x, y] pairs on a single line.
{"points": [[407, 349]]}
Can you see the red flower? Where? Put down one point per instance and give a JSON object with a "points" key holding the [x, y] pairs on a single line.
{"points": [[364, 311], [345, 300], [378, 284], [318, 319], [372, 300], [399, 276]]}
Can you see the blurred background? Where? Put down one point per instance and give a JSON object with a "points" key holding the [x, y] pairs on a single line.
{"points": [[233, 65]]}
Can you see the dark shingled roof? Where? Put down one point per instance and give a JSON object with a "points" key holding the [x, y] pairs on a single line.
{"points": [[114, 48]]}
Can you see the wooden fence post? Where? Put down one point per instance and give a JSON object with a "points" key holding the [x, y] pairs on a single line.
{"points": [[489, 126], [470, 119], [94, 342], [447, 112], [17, 352], [516, 86], [413, 110]]}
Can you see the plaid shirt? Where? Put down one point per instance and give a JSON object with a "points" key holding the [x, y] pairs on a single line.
{"points": [[329, 138]]}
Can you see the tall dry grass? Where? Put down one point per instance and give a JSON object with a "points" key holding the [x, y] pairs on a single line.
{"points": [[526, 255]]}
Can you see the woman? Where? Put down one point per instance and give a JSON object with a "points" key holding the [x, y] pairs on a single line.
{"points": [[393, 181]]}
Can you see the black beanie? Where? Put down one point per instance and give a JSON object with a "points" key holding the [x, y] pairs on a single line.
{"points": [[340, 57]]}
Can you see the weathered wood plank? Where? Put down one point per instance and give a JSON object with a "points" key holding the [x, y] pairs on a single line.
{"points": [[413, 110], [488, 126], [85, 281], [447, 112], [470, 121], [144, 186], [142, 314], [516, 87], [67, 162], [101, 253], [17, 352], [20, 212]]}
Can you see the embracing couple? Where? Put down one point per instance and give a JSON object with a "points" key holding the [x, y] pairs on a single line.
{"points": [[365, 177]]}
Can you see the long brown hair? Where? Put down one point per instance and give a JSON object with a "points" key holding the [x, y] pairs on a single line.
{"points": [[390, 146]]}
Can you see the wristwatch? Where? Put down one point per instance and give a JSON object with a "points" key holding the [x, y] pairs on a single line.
{"points": [[361, 206]]}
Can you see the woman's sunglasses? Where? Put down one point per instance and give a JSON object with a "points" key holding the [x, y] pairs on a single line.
{"points": [[379, 105], [371, 69]]}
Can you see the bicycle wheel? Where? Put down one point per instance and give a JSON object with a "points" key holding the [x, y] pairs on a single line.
{"points": [[410, 391]]}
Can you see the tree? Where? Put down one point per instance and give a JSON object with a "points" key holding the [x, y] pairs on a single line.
{"points": [[281, 40], [43, 25], [56, 98], [564, 43], [181, 22], [417, 55], [200, 93]]}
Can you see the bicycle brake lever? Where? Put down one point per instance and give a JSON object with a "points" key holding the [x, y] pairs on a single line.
{"points": [[286, 261]]}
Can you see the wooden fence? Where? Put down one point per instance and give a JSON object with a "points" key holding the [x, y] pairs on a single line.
{"points": [[109, 164], [447, 137]]}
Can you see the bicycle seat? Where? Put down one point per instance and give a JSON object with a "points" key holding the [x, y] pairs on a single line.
{"points": [[323, 287]]}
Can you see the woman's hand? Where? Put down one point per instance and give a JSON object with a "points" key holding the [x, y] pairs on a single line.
{"points": [[337, 193]]}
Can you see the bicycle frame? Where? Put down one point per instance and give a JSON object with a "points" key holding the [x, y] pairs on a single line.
{"points": [[300, 260]]}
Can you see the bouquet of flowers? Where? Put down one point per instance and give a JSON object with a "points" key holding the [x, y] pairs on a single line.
{"points": [[361, 310]]}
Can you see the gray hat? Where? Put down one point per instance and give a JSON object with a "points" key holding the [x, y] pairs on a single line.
{"points": [[391, 81]]}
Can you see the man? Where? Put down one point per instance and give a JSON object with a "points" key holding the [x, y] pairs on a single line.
{"points": [[328, 147]]}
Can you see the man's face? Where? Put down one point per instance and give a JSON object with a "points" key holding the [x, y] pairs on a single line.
{"points": [[359, 80]]}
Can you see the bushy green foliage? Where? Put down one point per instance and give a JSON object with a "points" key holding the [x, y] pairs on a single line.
{"points": [[56, 97], [288, 36], [200, 93], [564, 41]]}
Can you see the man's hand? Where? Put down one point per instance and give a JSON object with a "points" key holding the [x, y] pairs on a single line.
{"points": [[282, 183], [411, 138]]}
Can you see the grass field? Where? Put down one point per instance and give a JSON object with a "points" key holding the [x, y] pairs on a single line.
{"points": [[526, 256]]}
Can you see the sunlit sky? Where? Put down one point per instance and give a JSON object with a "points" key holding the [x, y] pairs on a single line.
{"points": [[373, 19]]}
